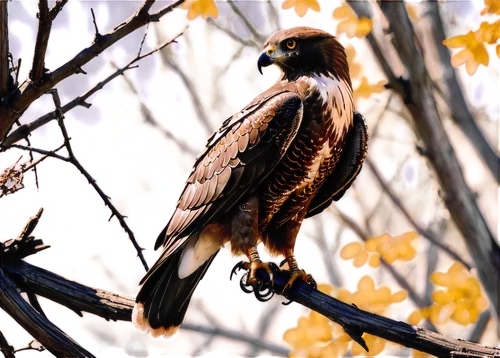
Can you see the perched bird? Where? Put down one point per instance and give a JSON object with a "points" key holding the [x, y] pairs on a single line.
{"points": [[284, 157]]}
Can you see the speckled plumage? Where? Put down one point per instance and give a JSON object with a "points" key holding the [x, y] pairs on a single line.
{"points": [[259, 173]]}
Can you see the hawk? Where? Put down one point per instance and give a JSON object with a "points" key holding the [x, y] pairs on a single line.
{"points": [[285, 157]]}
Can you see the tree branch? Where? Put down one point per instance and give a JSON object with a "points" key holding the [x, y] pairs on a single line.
{"points": [[246, 21], [24, 130], [109, 305], [195, 98], [4, 53], [7, 350], [52, 338], [150, 119], [54, 11], [356, 322], [418, 97], [30, 91], [454, 96], [42, 39], [233, 35], [114, 306]]}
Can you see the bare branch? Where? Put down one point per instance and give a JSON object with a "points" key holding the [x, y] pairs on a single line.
{"points": [[115, 306], [356, 322], [44, 331], [4, 52], [109, 305], [454, 96], [195, 98], [92, 181], [150, 119], [234, 36], [246, 21], [24, 130], [97, 35], [30, 91], [42, 40], [56, 9], [273, 15], [418, 96]]}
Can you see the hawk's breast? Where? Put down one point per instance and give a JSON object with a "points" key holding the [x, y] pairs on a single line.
{"points": [[313, 154]]}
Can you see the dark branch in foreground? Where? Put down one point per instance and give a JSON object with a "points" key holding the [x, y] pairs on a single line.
{"points": [[111, 306], [119, 307]]}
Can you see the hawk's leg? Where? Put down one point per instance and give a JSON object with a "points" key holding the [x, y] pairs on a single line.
{"points": [[255, 265], [296, 273], [244, 225]]}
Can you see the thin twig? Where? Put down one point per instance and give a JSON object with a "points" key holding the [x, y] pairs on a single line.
{"points": [[233, 35], [191, 88], [24, 130], [273, 15], [143, 40], [30, 91], [97, 35], [150, 119], [42, 40], [92, 181], [246, 21], [56, 8]]}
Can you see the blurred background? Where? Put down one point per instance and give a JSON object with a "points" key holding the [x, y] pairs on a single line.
{"points": [[144, 129]]}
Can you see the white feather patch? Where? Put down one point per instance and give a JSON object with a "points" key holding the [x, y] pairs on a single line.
{"points": [[196, 253], [338, 96]]}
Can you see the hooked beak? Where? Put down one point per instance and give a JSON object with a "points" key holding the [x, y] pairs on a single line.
{"points": [[265, 59]]}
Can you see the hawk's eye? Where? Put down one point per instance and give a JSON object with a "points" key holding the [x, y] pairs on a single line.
{"points": [[291, 44]]}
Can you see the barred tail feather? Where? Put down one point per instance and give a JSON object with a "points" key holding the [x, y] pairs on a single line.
{"points": [[163, 298]]}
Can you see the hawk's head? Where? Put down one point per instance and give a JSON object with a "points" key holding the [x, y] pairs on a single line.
{"points": [[304, 51]]}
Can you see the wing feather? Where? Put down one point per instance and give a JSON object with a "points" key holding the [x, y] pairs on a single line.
{"points": [[228, 168]]}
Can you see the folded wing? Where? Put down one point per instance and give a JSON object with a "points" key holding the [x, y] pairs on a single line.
{"points": [[236, 159], [347, 168]]}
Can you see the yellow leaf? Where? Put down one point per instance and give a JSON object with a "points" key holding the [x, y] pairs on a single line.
{"points": [[498, 51], [361, 259], [492, 7], [366, 284], [203, 8], [481, 55], [344, 11], [399, 296], [412, 11], [462, 57], [365, 89], [414, 318], [288, 4], [351, 250], [301, 6], [458, 41], [374, 260], [364, 27]]}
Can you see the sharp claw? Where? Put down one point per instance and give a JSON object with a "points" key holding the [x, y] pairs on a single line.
{"points": [[239, 266], [286, 303], [245, 287], [262, 288], [282, 263]]}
